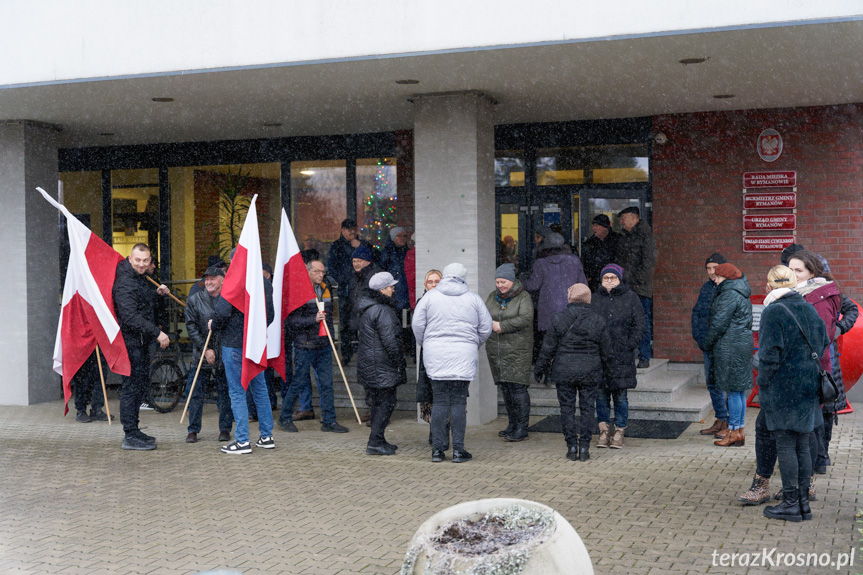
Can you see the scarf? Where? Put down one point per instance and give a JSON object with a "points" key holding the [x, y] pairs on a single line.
{"points": [[810, 285], [503, 300], [775, 294]]}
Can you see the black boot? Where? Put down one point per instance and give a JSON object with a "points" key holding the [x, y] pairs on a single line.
{"points": [[521, 402], [583, 450], [510, 410], [805, 510], [572, 452], [789, 509]]}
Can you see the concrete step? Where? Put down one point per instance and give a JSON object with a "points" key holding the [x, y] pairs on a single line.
{"points": [[661, 387]]}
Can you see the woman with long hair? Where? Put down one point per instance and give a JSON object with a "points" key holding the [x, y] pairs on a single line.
{"points": [[818, 287]]}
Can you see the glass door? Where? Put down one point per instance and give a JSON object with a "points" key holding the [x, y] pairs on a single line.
{"points": [[521, 216], [597, 201]]}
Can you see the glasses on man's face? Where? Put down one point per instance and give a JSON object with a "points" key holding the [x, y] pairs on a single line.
{"points": [[314, 271]]}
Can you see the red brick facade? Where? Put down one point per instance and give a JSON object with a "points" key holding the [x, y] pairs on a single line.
{"points": [[697, 202]]}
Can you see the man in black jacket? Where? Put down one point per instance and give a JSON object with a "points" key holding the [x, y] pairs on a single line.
{"points": [[636, 254], [199, 311], [700, 315], [134, 304], [598, 250], [312, 351]]}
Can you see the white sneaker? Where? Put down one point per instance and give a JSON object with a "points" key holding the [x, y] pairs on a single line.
{"points": [[236, 447], [266, 442], [146, 407]]}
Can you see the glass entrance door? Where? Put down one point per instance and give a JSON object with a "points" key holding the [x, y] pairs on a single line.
{"points": [[593, 202], [521, 216]]}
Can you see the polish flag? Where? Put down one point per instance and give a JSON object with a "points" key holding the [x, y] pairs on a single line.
{"points": [[87, 315], [292, 288], [244, 289]]}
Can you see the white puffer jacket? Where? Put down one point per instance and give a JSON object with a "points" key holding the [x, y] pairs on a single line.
{"points": [[451, 323]]}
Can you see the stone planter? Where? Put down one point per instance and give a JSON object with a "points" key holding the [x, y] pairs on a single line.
{"points": [[497, 536]]}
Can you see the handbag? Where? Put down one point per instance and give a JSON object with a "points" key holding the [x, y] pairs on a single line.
{"points": [[828, 391]]}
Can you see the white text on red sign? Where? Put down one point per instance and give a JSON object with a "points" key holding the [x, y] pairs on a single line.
{"points": [[769, 179], [772, 222], [769, 201]]}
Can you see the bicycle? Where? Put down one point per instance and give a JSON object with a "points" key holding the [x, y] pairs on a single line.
{"points": [[168, 375]]}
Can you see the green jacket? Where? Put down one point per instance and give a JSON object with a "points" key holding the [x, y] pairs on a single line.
{"points": [[510, 353], [729, 336]]}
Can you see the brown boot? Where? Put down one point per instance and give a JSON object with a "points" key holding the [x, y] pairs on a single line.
{"points": [[735, 438], [759, 492], [723, 431], [604, 435], [617, 439], [717, 426]]}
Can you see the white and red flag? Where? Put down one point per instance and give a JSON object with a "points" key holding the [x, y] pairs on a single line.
{"points": [[292, 288], [87, 316], [244, 289]]}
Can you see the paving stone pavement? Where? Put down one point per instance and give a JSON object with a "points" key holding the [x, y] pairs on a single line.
{"points": [[72, 502]]}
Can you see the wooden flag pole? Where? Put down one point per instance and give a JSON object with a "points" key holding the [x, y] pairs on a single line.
{"points": [[173, 297], [339, 362], [194, 381], [104, 391]]}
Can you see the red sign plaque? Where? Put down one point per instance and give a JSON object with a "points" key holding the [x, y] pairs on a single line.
{"points": [[769, 201], [769, 179], [771, 222], [766, 243]]}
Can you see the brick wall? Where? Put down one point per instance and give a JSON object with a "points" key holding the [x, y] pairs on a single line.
{"points": [[698, 203]]}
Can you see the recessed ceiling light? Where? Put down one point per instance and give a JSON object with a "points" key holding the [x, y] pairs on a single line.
{"points": [[723, 96], [407, 82], [307, 172], [686, 61], [163, 99], [273, 125], [106, 133]]}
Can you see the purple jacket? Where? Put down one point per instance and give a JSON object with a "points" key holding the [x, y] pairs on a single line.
{"points": [[551, 277]]}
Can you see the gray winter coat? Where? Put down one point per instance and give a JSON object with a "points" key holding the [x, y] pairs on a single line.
{"points": [[450, 323]]}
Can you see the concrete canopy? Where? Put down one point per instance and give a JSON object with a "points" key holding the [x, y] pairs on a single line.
{"points": [[772, 66]]}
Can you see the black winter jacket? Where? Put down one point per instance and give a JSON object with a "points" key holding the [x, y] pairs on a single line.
{"points": [[701, 313], [359, 286], [595, 255], [624, 317], [199, 311], [230, 320], [787, 374], [636, 254], [380, 361], [134, 303], [303, 327], [576, 347]]}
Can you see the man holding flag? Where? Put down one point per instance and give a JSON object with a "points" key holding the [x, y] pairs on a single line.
{"points": [[135, 306], [242, 312], [312, 351]]}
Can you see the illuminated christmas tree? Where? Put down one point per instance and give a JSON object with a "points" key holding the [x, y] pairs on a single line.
{"points": [[379, 206]]}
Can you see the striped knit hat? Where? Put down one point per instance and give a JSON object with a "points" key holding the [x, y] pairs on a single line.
{"points": [[612, 269]]}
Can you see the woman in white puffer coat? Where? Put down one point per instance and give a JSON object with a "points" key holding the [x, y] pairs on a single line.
{"points": [[450, 324]]}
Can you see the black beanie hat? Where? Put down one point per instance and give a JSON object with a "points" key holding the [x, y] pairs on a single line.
{"points": [[716, 258]]}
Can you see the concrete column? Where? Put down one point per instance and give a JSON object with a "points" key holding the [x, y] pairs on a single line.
{"points": [[454, 195], [30, 291]]}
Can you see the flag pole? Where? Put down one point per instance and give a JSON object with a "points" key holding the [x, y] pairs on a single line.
{"points": [[104, 391], [339, 361], [194, 381], [157, 284]]}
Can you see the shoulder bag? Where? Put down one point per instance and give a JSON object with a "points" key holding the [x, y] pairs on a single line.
{"points": [[828, 392]]}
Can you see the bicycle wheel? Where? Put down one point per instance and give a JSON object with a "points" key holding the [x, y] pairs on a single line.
{"points": [[166, 385]]}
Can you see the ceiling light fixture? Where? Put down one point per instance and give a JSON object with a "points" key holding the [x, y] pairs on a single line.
{"points": [[163, 99], [307, 172], [106, 133], [723, 96], [687, 61], [273, 125], [407, 82]]}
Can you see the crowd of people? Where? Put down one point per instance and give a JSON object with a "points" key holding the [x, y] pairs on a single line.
{"points": [[579, 328]]}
